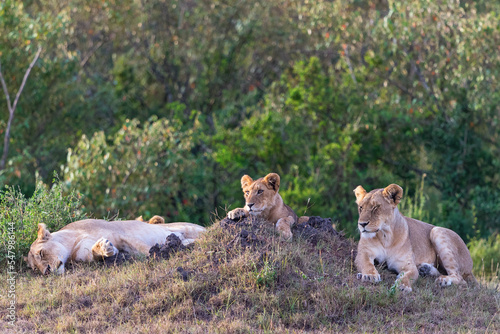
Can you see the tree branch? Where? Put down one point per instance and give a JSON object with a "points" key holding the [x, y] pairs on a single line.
{"points": [[348, 60], [12, 107], [26, 78], [90, 54], [5, 90]]}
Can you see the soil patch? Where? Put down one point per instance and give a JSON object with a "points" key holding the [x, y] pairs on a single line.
{"points": [[315, 229], [117, 259], [172, 245], [247, 230]]}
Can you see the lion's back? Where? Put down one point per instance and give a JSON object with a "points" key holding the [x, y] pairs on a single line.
{"points": [[96, 226]]}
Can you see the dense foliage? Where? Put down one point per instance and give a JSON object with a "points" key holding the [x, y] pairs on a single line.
{"points": [[159, 107], [21, 216]]}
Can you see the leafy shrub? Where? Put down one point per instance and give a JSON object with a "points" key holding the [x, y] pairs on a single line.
{"points": [[143, 169], [21, 215], [486, 255]]}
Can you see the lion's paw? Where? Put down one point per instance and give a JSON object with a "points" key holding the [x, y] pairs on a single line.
{"points": [[369, 278], [237, 214], [444, 281], [104, 247], [283, 225], [405, 288], [426, 269]]}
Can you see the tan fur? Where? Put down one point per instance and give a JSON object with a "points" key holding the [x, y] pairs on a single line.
{"points": [[407, 245], [154, 220], [91, 239], [263, 201]]}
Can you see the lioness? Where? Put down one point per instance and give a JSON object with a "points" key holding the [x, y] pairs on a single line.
{"points": [[407, 245], [92, 239], [262, 200]]}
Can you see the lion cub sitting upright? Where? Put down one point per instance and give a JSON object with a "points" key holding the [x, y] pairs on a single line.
{"points": [[263, 201], [407, 245]]}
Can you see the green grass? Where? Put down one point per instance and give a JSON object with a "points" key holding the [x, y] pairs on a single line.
{"points": [[20, 216], [278, 287]]}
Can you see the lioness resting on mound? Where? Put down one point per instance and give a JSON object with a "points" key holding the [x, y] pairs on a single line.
{"points": [[263, 201], [92, 239], [407, 245]]}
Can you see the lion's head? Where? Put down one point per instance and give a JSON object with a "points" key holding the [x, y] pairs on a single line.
{"points": [[376, 208], [260, 194], [46, 254]]}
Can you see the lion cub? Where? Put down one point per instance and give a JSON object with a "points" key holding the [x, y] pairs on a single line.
{"points": [[407, 245], [263, 201]]}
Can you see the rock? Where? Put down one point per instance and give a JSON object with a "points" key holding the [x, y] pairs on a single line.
{"points": [[184, 273]]}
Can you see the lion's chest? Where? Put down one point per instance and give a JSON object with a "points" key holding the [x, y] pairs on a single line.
{"points": [[396, 257]]}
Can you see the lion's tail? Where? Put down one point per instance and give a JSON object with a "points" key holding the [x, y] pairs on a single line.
{"points": [[471, 280]]}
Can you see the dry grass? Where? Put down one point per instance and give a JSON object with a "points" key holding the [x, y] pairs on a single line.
{"points": [[279, 287]]}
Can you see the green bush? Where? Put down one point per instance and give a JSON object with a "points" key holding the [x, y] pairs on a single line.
{"points": [[144, 169], [486, 255], [21, 215]]}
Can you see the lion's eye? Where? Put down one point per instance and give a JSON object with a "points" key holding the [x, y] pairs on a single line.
{"points": [[247, 193], [260, 191], [360, 208]]}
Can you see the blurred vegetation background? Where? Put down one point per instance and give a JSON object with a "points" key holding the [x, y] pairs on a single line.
{"points": [[160, 106]]}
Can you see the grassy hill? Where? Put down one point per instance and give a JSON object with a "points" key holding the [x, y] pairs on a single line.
{"points": [[234, 283]]}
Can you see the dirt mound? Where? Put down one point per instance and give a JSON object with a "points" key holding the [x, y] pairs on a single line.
{"points": [[117, 259], [172, 245], [247, 230], [185, 274], [315, 229], [245, 239]]}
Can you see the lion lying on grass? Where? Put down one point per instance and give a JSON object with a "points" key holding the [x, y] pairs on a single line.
{"points": [[92, 239], [407, 245], [262, 200]]}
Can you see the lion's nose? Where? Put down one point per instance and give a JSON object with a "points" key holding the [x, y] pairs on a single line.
{"points": [[363, 224], [250, 205]]}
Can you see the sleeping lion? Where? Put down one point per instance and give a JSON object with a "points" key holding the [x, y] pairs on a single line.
{"points": [[407, 245], [92, 239]]}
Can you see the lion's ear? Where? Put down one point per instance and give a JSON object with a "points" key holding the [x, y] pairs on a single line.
{"points": [[393, 193], [273, 181], [360, 193], [43, 233], [245, 181], [25, 259]]}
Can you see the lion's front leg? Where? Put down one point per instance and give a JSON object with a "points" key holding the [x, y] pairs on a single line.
{"points": [[237, 214], [103, 248], [284, 227], [365, 263]]}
